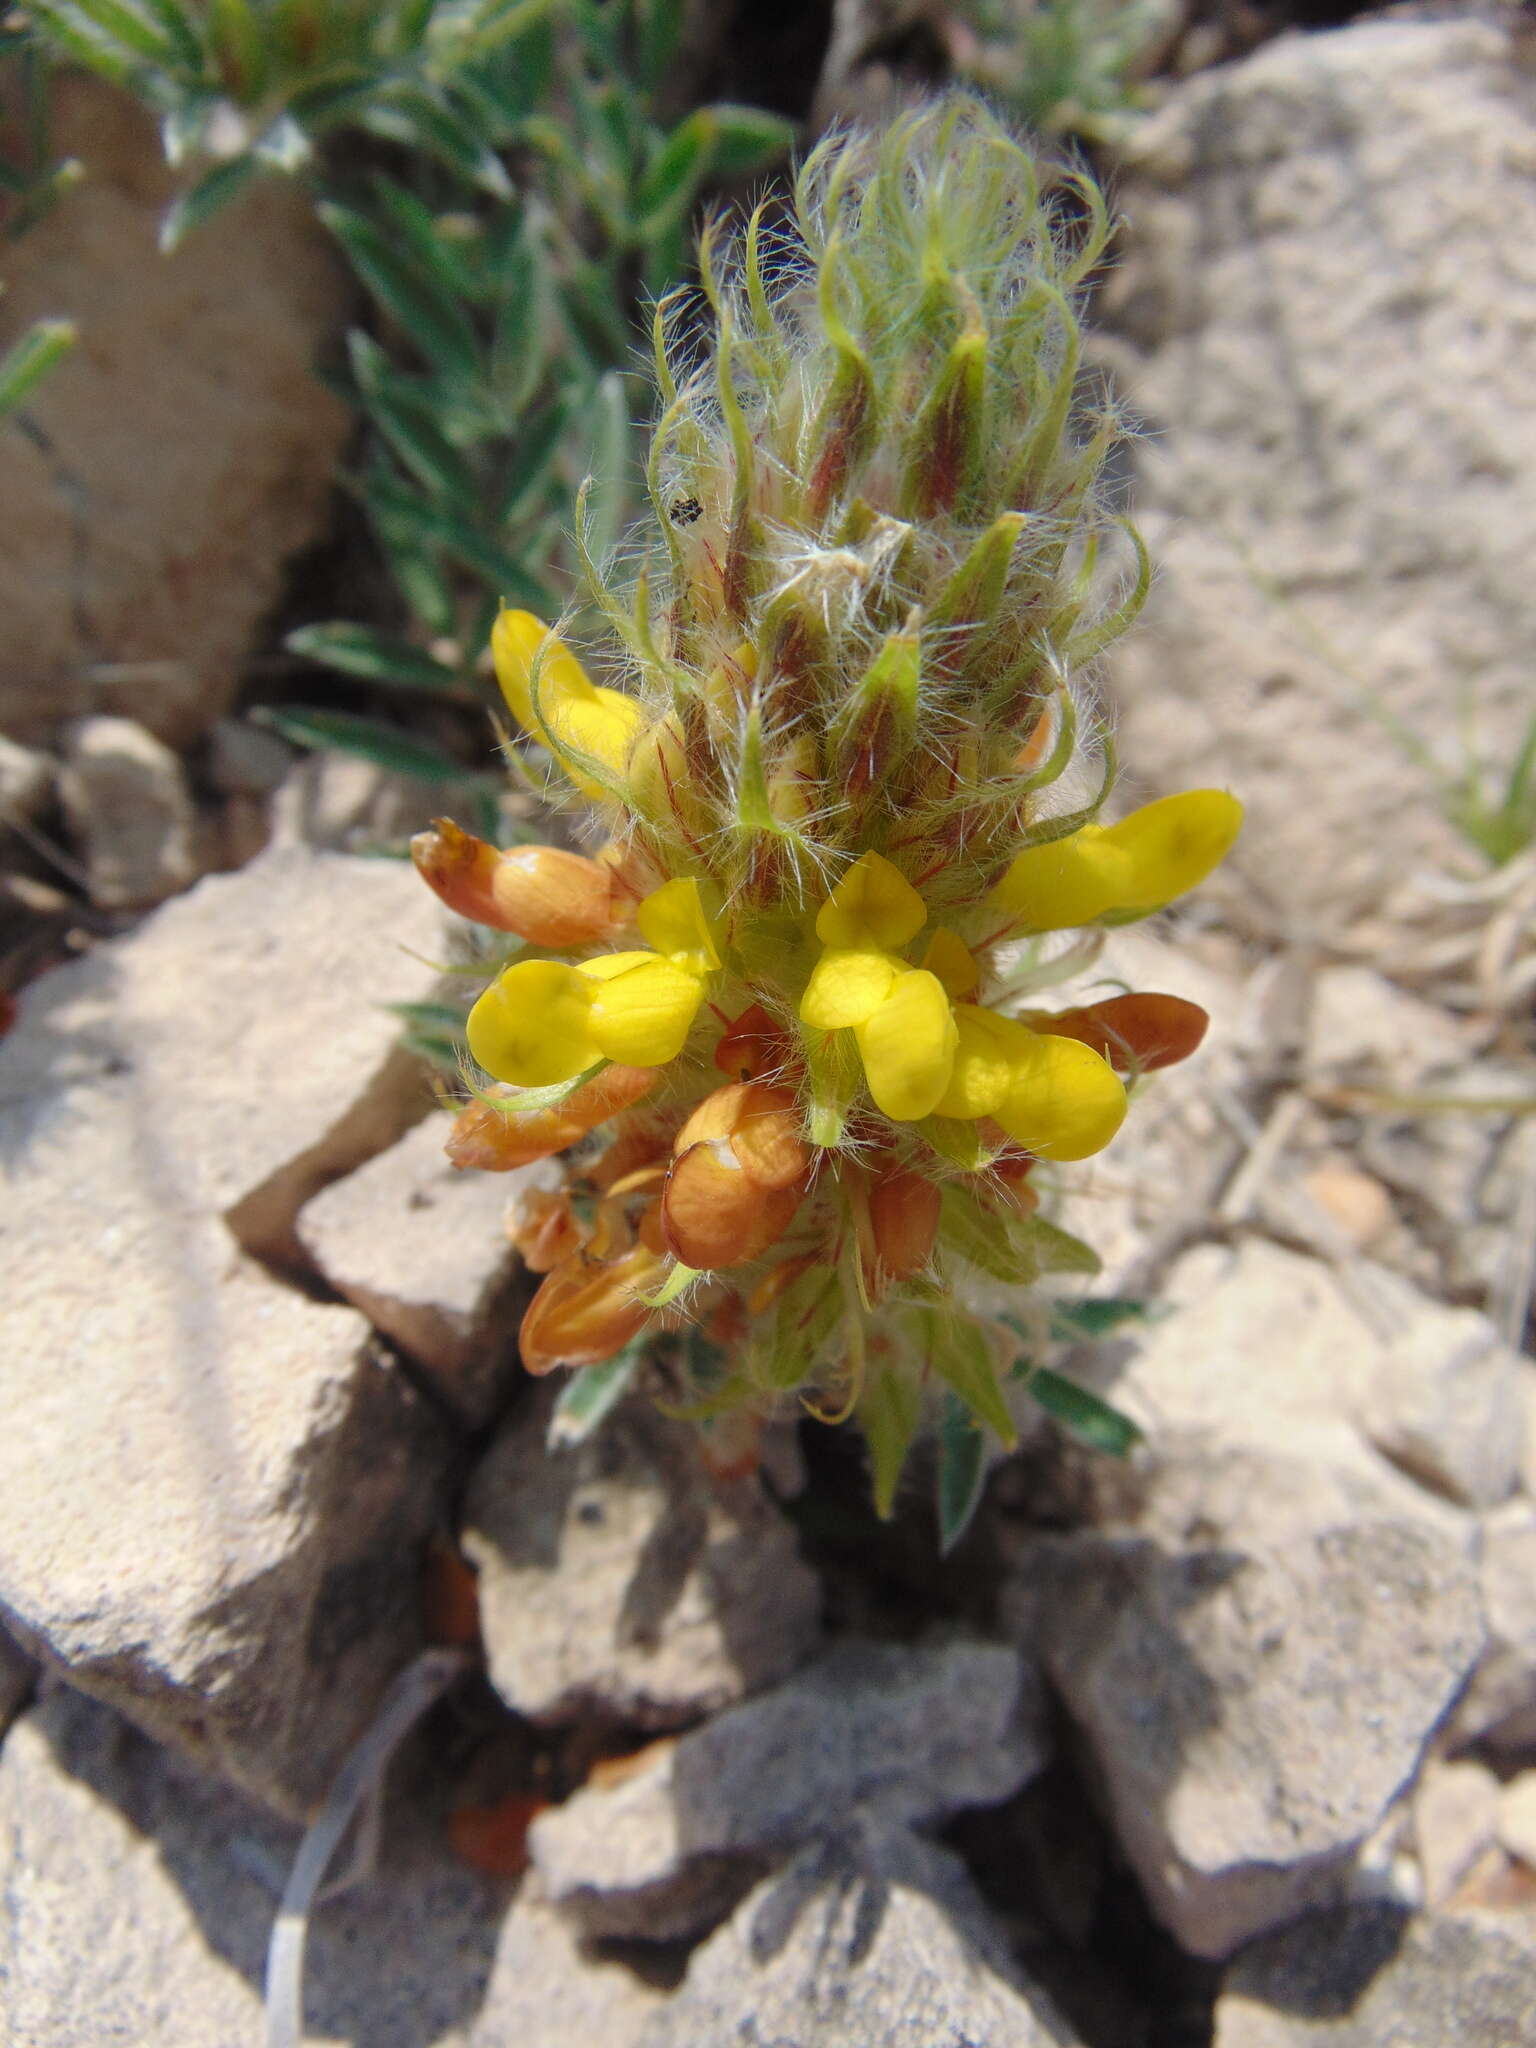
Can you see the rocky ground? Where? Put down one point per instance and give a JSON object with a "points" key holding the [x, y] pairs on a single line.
{"points": [[1234, 1744]]}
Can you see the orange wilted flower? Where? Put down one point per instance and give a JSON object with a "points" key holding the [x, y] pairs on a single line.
{"points": [[1134, 1032], [546, 1230], [496, 1138], [740, 1166], [587, 1309]]}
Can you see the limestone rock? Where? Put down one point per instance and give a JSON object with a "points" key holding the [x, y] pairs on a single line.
{"points": [[423, 1251], [129, 808], [183, 451], [1323, 301], [1258, 1661], [1455, 1818], [242, 1039], [876, 1940], [1517, 1817], [1499, 1706], [243, 760], [140, 1898], [1371, 1978], [618, 1580], [904, 1733], [212, 1491], [1267, 1345]]}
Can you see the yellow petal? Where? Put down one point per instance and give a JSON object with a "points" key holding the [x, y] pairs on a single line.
{"points": [[533, 1025], [642, 1016], [847, 985], [953, 962], [674, 920], [519, 644], [1066, 882], [908, 1046], [987, 1051], [1064, 1102], [1174, 844], [604, 966], [599, 730], [874, 905]]}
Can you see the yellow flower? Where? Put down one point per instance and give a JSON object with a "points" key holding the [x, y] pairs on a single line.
{"points": [[542, 1022], [925, 1050], [551, 696], [1121, 871]]}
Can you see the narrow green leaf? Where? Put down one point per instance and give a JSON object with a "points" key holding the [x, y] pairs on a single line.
{"points": [[127, 26], [1092, 1421], [418, 117], [888, 1413], [212, 192], [959, 1353], [437, 324], [667, 190], [590, 1394], [379, 657], [369, 739], [747, 139], [1076, 1320], [962, 1470], [427, 525], [1049, 1249], [24, 366]]}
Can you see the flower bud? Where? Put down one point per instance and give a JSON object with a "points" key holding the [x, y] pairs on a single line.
{"points": [[495, 1140], [547, 896]]}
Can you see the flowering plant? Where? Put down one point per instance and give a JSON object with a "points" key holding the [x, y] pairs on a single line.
{"points": [[849, 796]]}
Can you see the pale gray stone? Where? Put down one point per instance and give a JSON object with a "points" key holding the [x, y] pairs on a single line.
{"points": [[129, 808], [423, 1251], [1499, 1706], [1372, 1978], [243, 1037], [1266, 1346], [140, 1898], [243, 760], [1324, 295], [1455, 1819], [874, 1940], [905, 1733], [1258, 1661], [619, 1580], [184, 449], [212, 1491], [1516, 1823]]}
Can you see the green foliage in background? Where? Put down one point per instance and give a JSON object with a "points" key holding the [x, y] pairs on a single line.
{"points": [[508, 186], [1068, 67], [30, 181]]}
